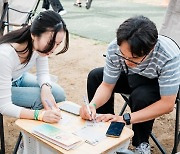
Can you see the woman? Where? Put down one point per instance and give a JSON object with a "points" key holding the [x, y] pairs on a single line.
{"points": [[22, 95]]}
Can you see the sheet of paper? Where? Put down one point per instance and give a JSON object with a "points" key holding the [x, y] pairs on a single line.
{"points": [[91, 132], [94, 124], [65, 120]]}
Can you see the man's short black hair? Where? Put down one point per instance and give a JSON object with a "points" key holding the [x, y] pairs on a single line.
{"points": [[140, 33]]}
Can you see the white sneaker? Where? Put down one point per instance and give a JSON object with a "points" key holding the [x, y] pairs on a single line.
{"points": [[43, 9], [63, 12], [143, 148]]}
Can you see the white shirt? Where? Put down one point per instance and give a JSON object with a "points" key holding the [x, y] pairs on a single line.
{"points": [[11, 69]]}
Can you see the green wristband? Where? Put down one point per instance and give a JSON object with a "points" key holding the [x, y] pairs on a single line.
{"points": [[93, 104], [36, 114]]}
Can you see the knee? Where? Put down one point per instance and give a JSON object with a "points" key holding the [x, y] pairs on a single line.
{"points": [[140, 98], [95, 75], [58, 93], [136, 101], [92, 74]]}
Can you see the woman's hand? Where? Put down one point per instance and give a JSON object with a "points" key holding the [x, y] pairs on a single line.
{"points": [[46, 95], [84, 112], [52, 116], [109, 118]]}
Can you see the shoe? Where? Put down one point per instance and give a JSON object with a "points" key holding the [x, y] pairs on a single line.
{"points": [[63, 12], [43, 9], [78, 4], [88, 4], [143, 148]]}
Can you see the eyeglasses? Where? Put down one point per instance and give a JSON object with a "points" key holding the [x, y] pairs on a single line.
{"points": [[128, 59]]}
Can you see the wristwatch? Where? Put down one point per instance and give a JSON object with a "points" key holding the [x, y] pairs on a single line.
{"points": [[47, 84], [127, 118]]}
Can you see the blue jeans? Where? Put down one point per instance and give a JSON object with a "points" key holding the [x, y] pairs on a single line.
{"points": [[26, 92]]}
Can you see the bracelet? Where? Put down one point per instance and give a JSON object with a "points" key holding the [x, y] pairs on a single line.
{"points": [[47, 84], [40, 117], [36, 114]]}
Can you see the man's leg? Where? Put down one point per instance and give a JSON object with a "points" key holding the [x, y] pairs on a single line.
{"points": [[95, 78], [140, 98]]}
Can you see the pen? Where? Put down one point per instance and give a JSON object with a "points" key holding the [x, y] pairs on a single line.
{"points": [[49, 103], [87, 105]]}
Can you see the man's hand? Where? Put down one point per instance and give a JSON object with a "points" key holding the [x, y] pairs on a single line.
{"points": [[84, 112], [109, 118]]}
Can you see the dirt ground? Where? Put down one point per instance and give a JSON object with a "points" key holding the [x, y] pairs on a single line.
{"points": [[72, 69]]}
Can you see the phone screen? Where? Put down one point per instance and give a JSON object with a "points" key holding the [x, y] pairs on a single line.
{"points": [[115, 129]]}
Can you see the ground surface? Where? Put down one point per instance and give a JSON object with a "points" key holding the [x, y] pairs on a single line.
{"points": [[85, 54]]}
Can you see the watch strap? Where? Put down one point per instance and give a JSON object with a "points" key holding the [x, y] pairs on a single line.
{"points": [[47, 84]]}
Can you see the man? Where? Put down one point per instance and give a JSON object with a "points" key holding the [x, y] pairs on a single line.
{"points": [[142, 64]]}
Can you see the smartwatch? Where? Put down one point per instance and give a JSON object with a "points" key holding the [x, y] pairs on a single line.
{"points": [[127, 118]]}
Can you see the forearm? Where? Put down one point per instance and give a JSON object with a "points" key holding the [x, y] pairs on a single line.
{"points": [[27, 114], [153, 111], [49, 116]]}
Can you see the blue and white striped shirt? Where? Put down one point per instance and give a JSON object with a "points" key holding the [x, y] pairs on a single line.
{"points": [[162, 63]]}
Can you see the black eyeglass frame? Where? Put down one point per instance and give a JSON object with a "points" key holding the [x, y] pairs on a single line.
{"points": [[136, 63]]}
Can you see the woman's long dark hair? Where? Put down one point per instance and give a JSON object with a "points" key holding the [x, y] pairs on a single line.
{"points": [[45, 21]]}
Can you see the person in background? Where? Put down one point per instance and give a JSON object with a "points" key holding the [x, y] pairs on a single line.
{"points": [[23, 95], [143, 64], [56, 6], [79, 4]]}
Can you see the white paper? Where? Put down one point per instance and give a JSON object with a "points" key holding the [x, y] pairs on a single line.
{"points": [[91, 132], [93, 123], [65, 120]]}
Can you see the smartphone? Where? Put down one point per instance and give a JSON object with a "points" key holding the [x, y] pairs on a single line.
{"points": [[115, 129]]}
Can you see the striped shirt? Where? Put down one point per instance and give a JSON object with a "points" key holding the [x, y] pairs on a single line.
{"points": [[162, 63]]}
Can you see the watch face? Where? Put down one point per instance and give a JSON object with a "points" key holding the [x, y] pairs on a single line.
{"points": [[126, 116]]}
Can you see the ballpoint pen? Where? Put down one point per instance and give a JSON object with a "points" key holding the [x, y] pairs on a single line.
{"points": [[87, 105], [49, 104]]}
